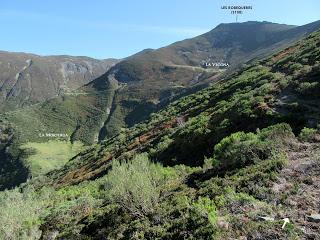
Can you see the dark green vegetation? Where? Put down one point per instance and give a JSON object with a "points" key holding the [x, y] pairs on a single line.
{"points": [[12, 172], [211, 165]]}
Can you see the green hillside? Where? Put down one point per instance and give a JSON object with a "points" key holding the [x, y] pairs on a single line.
{"points": [[281, 88], [143, 83], [230, 161], [154, 76], [134, 88], [77, 116]]}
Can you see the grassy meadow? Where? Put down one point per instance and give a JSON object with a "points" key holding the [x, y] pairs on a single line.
{"points": [[44, 157]]}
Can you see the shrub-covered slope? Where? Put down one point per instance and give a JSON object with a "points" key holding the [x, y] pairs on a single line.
{"points": [[281, 88], [157, 75]]}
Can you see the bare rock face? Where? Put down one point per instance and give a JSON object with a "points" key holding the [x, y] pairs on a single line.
{"points": [[26, 78]]}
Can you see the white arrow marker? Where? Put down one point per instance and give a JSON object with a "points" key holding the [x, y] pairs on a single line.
{"points": [[286, 220]]}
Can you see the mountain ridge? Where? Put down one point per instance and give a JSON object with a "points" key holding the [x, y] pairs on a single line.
{"points": [[26, 78], [167, 71]]}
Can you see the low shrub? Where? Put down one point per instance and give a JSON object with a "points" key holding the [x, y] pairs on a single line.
{"points": [[21, 213], [241, 149], [307, 134], [135, 185]]}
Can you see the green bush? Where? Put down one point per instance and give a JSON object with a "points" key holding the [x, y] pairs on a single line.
{"points": [[205, 207], [135, 185], [281, 132], [21, 214], [241, 149], [307, 134], [253, 180], [163, 144], [65, 215], [188, 218], [308, 87]]}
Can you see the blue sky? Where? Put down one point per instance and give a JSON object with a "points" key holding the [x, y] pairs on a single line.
{"points": [[102, 29]]}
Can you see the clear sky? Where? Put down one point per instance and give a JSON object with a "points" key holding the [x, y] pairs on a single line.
{"points": [[119, 28]]}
